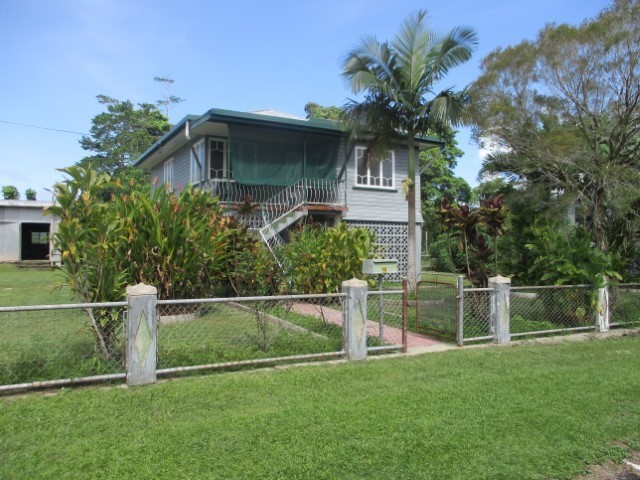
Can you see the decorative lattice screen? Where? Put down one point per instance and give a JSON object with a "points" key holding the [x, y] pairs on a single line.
{"points": [[392, 240]]}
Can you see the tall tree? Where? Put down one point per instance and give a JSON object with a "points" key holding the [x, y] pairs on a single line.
{"points": [[563, 113], [400, 102], [168, 99], [438, 181], [120, 135], [314, 110]]}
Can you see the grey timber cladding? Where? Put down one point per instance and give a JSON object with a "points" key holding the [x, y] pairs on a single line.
{"points": [[181, 167], [377, 204], [9, 242]]}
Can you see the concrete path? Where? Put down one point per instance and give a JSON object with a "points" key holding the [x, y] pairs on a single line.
{"points": [[392, 335]]}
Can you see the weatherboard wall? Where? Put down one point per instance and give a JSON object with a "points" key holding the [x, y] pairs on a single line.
{"points": [[380, 204]]}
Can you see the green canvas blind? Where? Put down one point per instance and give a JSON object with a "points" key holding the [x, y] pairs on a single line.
{"points": [[264, 156]]}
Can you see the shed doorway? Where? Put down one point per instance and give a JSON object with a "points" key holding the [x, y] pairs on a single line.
{"points": [[35, 241]]}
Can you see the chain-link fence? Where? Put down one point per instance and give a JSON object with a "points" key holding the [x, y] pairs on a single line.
{"points": [[227, 332], [436, 308], [58, 344], [385, 320], [552, 309], [624, 305], [476, 315], [53, 342]]}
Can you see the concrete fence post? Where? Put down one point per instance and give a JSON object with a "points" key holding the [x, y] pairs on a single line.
{"points": [[141, 334], [460, 311], [500, 307], [355, 319], [602, 312]]}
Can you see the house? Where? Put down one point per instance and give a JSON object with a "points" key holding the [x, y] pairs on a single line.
{"points": [[26, 232], [290, 168]]}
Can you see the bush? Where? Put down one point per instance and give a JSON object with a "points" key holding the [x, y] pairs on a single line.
{"points": [[179, 243], [318, 259]]}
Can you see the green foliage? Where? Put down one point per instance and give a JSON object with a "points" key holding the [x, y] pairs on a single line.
{"points": [[9, 192], [179, 243], [313, 110], [30, 194], [319, 259], [316, 259], [120, 135], [567, 257], [438, 182], [560, 114], [476, 231]]}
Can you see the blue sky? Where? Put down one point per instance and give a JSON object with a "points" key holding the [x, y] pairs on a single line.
{"points": [[56, 56]]}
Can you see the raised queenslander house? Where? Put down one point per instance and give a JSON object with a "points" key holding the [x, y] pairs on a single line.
{"points": [[290, 168]]}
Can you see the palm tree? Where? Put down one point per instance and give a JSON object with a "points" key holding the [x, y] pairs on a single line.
{"points": [[400, 103]]}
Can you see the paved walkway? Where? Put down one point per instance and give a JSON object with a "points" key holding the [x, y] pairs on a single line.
{"points": [[392, 335]]}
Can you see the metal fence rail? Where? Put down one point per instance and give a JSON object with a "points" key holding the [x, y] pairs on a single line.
{"points": [[624, 305], [476, 315], [228, 332], [61, 343], [56, 345], [385, 327], [551, 309]]}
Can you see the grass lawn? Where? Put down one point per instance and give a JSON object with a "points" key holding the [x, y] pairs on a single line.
{"points": [[48, 345], [527, 412]]}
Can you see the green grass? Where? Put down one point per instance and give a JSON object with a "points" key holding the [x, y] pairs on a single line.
{"points": [[47, 345], [528, 412]]}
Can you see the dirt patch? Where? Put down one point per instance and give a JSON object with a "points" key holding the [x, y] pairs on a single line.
{"points": [[615, 471]]}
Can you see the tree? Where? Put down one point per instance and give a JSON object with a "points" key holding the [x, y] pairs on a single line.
{"points": [[314, 110], [563, 114], [30, 194], [9, 192], [438, 182], [168, 99], [120, 135], [398, 80]]}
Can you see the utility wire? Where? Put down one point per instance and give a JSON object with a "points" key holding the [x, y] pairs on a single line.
{"points": [[42, 128]]}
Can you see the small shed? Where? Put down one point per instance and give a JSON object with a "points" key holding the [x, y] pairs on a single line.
{"points": [[26, 231]]}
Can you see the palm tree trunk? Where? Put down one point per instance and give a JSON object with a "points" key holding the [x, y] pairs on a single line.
{"points": [[412, 274]]}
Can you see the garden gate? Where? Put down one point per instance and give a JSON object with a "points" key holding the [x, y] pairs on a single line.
{"points": [[437, 306]]}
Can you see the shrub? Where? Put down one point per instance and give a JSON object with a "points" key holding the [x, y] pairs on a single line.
{"points": [[178, 243], [318, 259]]}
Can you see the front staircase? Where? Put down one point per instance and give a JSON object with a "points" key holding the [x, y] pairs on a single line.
{"points": [[290, 205]]}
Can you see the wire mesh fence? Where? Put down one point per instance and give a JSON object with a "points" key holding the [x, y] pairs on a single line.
{"points": [[42, 343], [384, 318], [551, 309], [477, 315], [624, 305], [436, 309], [232, 330]]}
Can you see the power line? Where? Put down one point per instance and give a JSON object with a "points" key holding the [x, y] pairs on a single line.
{"points": [[42, 128]]}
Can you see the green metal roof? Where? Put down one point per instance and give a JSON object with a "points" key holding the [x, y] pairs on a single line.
{"points": [[258, 119]]}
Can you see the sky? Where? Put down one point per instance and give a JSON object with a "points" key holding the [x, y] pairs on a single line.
{"points": [[243, 55]]}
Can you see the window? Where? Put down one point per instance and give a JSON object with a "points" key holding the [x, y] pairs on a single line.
{"points": [[374, 173], [168, 172], [217, 158], [198, 162], [39, 238]]}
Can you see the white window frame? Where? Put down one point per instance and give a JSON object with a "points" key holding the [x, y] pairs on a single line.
{"points": [[195, 174], [368, 180], [225, 154], [168, 173]]}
